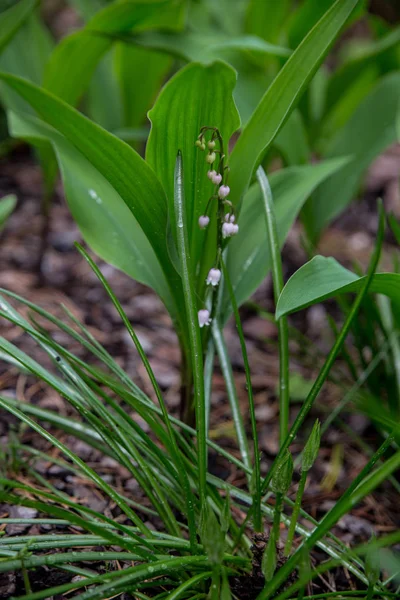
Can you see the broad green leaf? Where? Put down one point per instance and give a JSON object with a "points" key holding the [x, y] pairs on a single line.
{"points": [[305, 18], [75, 58], [103, 102], [283, 94], [7, 205], [361, 58], [140, 74], [291, 142], [12, 19], [265, 19], [241, 52], [121, 166], [371, 129], [248, 255], [197, 96], [205, 47], [106, 223], [26, 56], [323, 278], [349, 100]]}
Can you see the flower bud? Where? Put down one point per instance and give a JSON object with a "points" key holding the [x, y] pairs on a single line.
{"points": [[203, 221], [210, 158], [211, 145], [223, 191], [311, 448], [211, 175], [282, 478], [213, 278], [204, 317], [198, 143], [217, 178]]}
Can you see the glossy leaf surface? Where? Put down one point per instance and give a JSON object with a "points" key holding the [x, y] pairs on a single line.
{"points": [[75, 58], [371, 129], [106, 223], [123, 168], [248, 258], [12, 19], [283, 94], [197, 96], [323, 278]]}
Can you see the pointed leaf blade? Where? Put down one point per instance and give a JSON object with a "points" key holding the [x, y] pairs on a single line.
{"points": [[283, 94], [323, 278]]}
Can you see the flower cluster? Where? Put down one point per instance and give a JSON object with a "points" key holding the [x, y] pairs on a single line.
{"points": [[227, 227], [215, 177]]}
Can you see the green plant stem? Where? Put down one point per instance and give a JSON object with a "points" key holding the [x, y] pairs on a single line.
{"points": [[277, 279], [354, 493], [174, 446], [186, 585], [336, 348], [193, 326], [107, 489], [27, 583], [324, 372], [370, 592], [226, 369], [208, 373], [257, 519], [273, 539], [295, 514], [340, 595]]}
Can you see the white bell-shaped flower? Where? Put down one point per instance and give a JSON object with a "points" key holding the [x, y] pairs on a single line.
{"points": [[213, 277], [204, 317]]}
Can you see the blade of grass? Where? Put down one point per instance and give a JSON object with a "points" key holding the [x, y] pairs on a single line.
{"points": [[277, 279], [315, 390], [282, 95], [193, 326], [13, 18], [105, 521], [208, 373], [186, 585], [60, 558], [189, 499], [72, 518], [95, 347], [245, 498], [115, 433], [77, 428], [133, 573], [257, 520], [89, 472], [383, 542], [354, 493], [323, 374], [226, 368]]}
